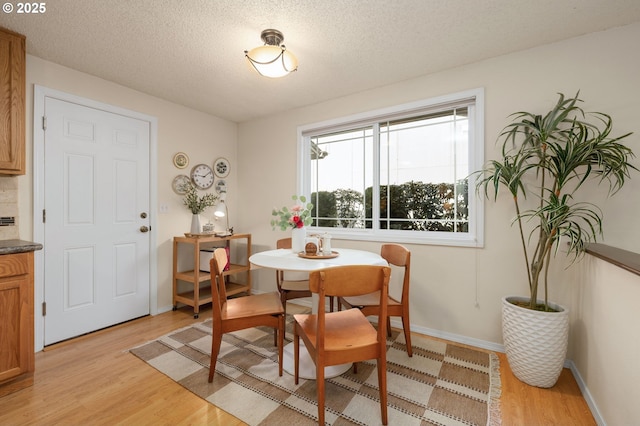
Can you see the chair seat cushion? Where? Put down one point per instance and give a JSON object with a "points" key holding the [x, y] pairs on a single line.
{"points": [[348, 329], [254, 305]]}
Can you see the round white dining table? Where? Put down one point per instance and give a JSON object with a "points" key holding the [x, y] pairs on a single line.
{"points": [[287, 260]]}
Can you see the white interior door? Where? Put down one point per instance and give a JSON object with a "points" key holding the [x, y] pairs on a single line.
{"points": [[96, 200]]}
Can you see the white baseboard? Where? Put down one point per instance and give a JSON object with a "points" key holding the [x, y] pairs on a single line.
{"points": [[164, 309], [585, 393], [458, 338]]}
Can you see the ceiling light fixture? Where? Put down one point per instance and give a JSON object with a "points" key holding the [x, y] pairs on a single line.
{"points": [[273, 59]]}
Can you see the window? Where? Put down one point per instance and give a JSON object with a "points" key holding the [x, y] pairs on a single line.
{"points": [[400, 174]]}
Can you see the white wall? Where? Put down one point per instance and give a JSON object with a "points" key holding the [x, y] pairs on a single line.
{"points": [[606, 339], [445, 296], [201, 136]]}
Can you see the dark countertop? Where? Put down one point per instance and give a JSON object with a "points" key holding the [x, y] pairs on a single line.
{"points": [[18, 246], [622, 258]]}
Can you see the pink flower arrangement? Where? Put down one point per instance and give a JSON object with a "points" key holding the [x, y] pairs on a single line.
{"points": [[297, 216]]}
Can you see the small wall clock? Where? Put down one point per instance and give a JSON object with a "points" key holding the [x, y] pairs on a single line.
{"points": [[202, 176], [221, 167], [180, 184], [180, 160]]}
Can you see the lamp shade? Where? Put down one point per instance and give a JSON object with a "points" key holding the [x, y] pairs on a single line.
{"points": [[272, 60], [221, 209]]}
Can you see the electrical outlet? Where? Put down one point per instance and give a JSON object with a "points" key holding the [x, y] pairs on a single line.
{"points": [[164, 208]]}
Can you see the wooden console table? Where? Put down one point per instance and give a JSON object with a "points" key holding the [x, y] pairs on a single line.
{"points": [[199, 296]]}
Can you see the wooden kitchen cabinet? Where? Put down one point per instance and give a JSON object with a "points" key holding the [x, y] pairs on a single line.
{"points": [[12, 103], [199, 281], [17, 360]]}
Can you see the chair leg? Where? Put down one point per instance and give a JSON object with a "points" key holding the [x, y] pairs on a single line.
{"points": [[331, 304], [388, 326], [296, 353], [283, 300], [320, 388], [216, 341], [407, 332], [280, 343], [382, 384]]}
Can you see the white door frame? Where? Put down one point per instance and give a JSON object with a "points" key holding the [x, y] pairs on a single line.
{"points": [[40, 93]]}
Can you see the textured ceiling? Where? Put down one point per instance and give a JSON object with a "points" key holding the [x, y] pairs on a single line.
{"points": [[191, 52]]}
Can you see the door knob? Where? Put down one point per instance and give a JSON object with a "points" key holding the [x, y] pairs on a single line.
{"points": [[144, 229], [143, 215]]}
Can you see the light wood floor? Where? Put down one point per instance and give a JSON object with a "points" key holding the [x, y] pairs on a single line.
{"points": [[94, 380]]}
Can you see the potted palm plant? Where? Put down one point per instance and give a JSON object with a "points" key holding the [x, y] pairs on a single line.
{"points": [[545, 161]]}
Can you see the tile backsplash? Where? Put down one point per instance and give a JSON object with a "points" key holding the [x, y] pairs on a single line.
{"points": [[9, 206]]}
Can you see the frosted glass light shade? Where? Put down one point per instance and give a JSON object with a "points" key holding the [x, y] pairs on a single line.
{"points": [[221, 209], [272, 61]]}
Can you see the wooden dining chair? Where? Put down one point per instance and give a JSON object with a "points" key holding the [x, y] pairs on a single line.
{"points": [[289, 285], [241, 312], [400, 256], [334, 338]]}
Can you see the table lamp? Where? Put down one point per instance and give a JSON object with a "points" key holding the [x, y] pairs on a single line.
{"points": [[223, 211]]}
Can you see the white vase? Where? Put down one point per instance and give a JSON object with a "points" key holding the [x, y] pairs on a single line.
{"points": [[195, 224], [535, 342], [298, 236]]}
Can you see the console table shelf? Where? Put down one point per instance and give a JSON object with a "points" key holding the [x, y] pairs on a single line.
{"points": [[199, 294]]}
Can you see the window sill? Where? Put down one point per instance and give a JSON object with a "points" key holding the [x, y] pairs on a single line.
{"points": [[622, 258], [401, 237]]}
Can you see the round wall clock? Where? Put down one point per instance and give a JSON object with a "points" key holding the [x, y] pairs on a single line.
{"points": [[180, 160], [221, 167], [202, 176], [181, 184]]}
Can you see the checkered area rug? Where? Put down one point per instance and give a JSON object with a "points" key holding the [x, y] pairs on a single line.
{"points": [[442, 384]]}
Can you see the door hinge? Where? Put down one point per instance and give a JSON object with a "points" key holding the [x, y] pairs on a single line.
{"points": [[44, 216], [44, 122], [44, 309]]}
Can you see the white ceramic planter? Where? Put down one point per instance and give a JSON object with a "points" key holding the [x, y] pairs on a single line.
{"points": [[535, 342], [298, 236], [195, 224]]}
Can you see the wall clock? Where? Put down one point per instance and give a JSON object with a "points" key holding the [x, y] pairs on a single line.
{"points": [[180, 160], [202, 176], [181, 184], [222, 167]]}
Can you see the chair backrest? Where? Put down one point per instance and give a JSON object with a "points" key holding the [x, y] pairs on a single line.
{"points": [[283, 243], [399, 255], [352, 280], [218, 287]]}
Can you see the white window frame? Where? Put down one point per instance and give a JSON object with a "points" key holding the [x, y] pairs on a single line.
{"points": [[473, 238]]}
